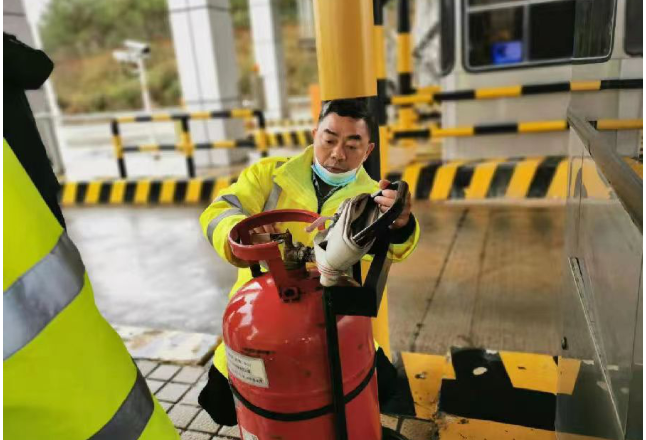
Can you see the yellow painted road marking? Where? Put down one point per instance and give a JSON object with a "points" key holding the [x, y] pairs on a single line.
{"points": [[498, 92], [636, 165], [141, 192], [167, 192], [424, 373], [568, 371], [595, 188], [69, 193], [118, 191], [444, 180], [481, 180], [459, 428], [542, 126], [558, 186], [522, 178], [93, 191], [584, 86], [193, 191], [530, 371]]}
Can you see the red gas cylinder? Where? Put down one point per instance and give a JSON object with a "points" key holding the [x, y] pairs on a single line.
{"points": [[275, 337]]}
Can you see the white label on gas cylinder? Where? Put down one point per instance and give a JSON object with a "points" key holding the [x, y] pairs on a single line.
{"points": [[246, 435], [247, 369]]}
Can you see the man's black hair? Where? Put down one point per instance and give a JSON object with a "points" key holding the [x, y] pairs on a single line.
{"points": [[356, 108]]}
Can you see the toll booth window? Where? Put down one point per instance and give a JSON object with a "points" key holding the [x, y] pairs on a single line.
{"points": [[513, 33], [633, 39], [594, 29], [447, 36]]}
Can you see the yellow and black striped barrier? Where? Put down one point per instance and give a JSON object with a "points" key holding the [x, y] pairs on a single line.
{"points": [[484, 179], [509, 128], [290, 138], [143, 192], [486, 394], [516, 91], [155, 148], [513, 179], [186, 145], [284, 123]]}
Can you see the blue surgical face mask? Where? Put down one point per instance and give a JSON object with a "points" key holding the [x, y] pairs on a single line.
{"points": [[333, 179]]}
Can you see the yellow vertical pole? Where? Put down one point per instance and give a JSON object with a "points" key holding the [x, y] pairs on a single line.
{"points": [[346, 33]]}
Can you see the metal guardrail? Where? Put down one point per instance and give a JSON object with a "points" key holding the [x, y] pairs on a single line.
{"points": [[626, 184]]}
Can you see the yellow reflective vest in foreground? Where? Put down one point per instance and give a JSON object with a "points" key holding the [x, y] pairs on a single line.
{"points": [[279, 183], [67, 374]]}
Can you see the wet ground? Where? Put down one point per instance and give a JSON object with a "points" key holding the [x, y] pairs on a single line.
{"points": [[482, 275]]}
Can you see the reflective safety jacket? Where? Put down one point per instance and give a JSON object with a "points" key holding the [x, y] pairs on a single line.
{"points": [[67, 374], [279, 183]]}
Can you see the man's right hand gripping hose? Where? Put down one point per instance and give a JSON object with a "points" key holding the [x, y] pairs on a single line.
{"points": [[355, 227]]}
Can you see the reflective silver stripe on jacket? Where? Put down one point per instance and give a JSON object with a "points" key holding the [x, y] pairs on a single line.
{"points": [[216, 221], [130, 420], [237, 209], [274, 195], [40, 294], [272, 200]]}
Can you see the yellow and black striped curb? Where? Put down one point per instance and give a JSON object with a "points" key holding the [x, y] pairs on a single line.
{"points": [[514, 178], [515, 91], [143, 192], [501, 394], [510, 128], [540, 177], [520, 178]]}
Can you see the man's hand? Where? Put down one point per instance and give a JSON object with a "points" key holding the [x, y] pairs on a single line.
{"points": [[388, 199], [270, 229]]}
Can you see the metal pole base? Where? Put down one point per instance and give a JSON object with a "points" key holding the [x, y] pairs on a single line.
{"points": [[389, 434]]}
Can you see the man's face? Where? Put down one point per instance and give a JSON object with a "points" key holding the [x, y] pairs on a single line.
{"points": [[341, 143]]}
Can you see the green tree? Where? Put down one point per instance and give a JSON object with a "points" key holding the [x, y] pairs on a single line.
{"points": [[79, 28]]}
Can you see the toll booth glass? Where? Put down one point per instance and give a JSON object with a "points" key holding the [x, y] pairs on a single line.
{"points": [[633, 28], [503, 34]]}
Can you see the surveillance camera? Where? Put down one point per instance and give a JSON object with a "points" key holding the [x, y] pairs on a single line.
{"points": [[137, 46]]}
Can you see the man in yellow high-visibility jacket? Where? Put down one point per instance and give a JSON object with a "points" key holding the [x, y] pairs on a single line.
{"points": [[317, 180]]}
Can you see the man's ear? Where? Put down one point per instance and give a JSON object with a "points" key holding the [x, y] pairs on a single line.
{"points": [[371, 146], [314, 130]]}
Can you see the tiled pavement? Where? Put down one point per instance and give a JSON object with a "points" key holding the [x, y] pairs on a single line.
{"points": [[177, 388]]}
